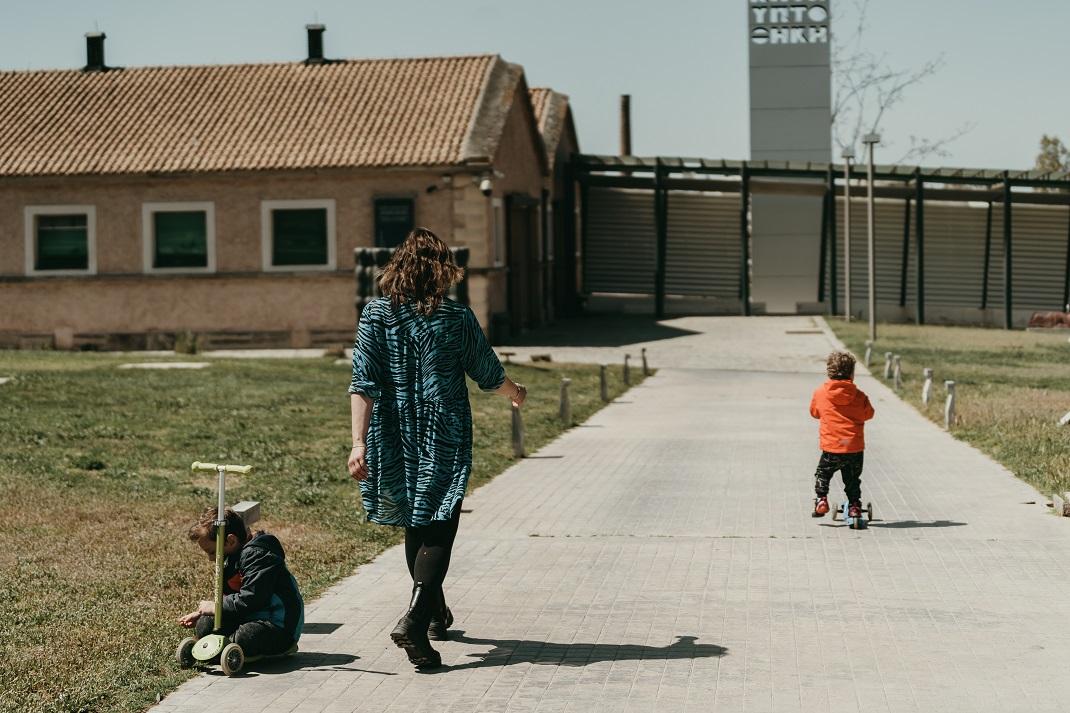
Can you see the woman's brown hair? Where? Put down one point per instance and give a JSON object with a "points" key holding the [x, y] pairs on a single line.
{"points": [[420, 272]]}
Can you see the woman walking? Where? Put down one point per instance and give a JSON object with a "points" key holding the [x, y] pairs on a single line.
{"points": [[412, 423]]}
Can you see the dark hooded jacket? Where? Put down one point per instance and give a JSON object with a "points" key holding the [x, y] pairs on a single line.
{"points": [[843, 411], [257, 586]]}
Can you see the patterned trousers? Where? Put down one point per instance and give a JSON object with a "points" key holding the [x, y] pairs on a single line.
{"points": [[850, 467]]}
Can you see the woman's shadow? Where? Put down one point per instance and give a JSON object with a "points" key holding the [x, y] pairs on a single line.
{"points": [[506, 652]]}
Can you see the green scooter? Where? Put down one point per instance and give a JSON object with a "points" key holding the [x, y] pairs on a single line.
{"points": [[214, 648]]}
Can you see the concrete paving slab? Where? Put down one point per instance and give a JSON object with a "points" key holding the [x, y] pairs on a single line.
{"points": [[166, 365]]}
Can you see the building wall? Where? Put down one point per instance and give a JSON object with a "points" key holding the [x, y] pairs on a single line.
{"points": [[239, 296]]}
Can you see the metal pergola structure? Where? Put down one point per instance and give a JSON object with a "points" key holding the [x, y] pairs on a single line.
{"points": [[663, 174]]}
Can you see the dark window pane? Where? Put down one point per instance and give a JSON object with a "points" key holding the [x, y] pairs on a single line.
{"points": [[393, 221], [181, 239], [299, 237], [62, 242]]}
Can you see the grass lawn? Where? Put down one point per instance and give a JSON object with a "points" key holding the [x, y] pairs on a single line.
{"points": [[97, 497], [1012, 387]]}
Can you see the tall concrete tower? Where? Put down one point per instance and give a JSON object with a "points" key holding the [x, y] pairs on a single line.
{"points": [[790, 120]]}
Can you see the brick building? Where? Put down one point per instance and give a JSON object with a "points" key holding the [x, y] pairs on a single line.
{"points": [[227, 200]]}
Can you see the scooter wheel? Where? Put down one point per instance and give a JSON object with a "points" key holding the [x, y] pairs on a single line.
{"points": [[184, 653], [232, 659], [869, 511]]}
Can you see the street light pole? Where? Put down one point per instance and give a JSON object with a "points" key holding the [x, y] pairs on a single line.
{"points": [[848, 154], [871, 140]]}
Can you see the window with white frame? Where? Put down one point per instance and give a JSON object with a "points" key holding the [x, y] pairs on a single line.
{"points": [[499, 231], [178, 237], [298, 235], [61, 240]]}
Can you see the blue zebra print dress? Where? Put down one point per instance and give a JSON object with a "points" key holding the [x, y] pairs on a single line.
{"points": [[419, 443]]}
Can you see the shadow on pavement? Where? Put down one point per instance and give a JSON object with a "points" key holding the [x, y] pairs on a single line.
{"points": [[599, 331], [908, 524], [513, 651], [310, 660]]}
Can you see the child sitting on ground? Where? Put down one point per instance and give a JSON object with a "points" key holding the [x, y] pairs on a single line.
{"points": [[843, 411], [263, 611]]}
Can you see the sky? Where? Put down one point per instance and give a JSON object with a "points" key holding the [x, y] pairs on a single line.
{"points": [[684, 62]]}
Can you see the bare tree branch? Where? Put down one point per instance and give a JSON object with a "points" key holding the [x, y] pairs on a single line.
{"points": [[866, 88]]}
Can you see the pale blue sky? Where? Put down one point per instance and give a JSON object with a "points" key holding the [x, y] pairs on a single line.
{"points": [[683, 61]]}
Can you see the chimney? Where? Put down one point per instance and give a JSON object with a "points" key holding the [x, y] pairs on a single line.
{"points": [[625, 124], [94, 52], [315, 44]]}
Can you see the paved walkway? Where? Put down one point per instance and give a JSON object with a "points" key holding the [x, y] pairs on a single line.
{"points": [[662, 558]]}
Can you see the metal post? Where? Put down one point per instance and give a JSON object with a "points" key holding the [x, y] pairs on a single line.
{"points": [[905, 257], [919, 240], [646, 369], [834, 303], [1008, 300], [603, 385], [564, 412], [927, 387], [949, 405], [518, 433], [744, 237], [887, 365], [1066, 279], [661, 228], [625, 124], [988, 257], [897, 372], [627, 370], [848, 154], [871, 140], [823, 245]]}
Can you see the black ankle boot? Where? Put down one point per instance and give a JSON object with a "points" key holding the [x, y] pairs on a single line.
{"points": [[441, 621], [411, 632]]}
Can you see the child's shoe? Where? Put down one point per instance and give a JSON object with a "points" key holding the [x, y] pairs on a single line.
{"points": [[854, 510], [821, 507]]}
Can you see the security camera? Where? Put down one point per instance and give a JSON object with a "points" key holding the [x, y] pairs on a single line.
{"points": [[486, 187]]}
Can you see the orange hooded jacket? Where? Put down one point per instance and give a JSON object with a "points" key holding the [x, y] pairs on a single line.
{"points": [[843, 411]]}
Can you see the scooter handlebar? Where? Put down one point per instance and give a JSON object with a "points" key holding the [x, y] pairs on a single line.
{"points": [[212, 468]]}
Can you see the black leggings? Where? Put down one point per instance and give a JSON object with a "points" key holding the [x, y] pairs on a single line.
{"points": [[427, 552], [850, 467], [256, 638]]}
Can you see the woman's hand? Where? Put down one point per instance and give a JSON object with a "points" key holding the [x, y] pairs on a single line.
{"points": [[520, 395], [358, 467]]}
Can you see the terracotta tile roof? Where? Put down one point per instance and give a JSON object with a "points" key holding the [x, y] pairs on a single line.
{"points": [[392, 112], [552, 116]]}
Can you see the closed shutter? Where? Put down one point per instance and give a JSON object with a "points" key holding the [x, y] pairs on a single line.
{"points": [[619, 255], [703, 254]]}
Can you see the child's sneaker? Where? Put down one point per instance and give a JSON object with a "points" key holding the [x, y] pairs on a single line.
{"points": [[821, 507], [854, 510]]}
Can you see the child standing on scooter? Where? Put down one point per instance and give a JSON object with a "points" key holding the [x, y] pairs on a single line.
{"points": [[843, 411], [263, 611]]}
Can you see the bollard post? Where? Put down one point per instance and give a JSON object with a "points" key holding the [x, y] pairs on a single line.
{"points": [[927, 387], [646, 369], [565, 410], [604, 386], [518, 433], [897, 372], [949, 406], [887, 365], [627, 370], [869, 352]]}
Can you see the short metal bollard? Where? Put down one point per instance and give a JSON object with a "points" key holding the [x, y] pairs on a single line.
{"points": [[869, 352], [518, 433], [564, 411], [949, 405], [897, 372], [604, 385], [646, 369], [887, 365], [927, 387], [627, 370]]}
